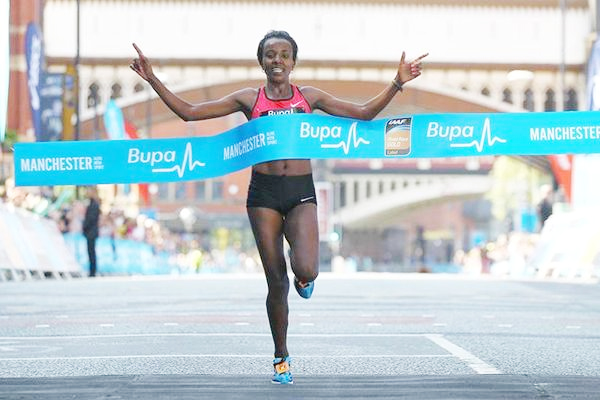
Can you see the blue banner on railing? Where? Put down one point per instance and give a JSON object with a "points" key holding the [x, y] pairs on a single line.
{"points": [[306, 136]]}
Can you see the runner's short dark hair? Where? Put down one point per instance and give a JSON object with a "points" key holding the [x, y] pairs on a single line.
{"points": [[279, 35]]}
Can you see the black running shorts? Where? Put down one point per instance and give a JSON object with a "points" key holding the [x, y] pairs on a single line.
{"points": [[280, 192]]}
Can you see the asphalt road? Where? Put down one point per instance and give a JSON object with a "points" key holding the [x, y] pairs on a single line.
{"points": [[382, 336]]}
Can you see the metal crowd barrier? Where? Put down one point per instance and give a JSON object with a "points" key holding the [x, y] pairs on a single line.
{"points": [[32, 247]]}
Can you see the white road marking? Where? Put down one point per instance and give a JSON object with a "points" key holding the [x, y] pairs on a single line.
{"points": [[107, 325], [171, 324], [42, 326], [213, 334], [477, 365], [572, 327], [149, 356]]}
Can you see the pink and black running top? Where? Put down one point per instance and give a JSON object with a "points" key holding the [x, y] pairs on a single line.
{"points": [[294, 105]]}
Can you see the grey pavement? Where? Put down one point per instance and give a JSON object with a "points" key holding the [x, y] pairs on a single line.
{"points": [[392, 336]]}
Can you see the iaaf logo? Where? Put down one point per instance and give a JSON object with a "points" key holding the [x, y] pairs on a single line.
{"points": [[454, 132], [136, 156], [324, 133]]}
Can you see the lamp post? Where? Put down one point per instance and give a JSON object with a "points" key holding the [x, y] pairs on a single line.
{"points": [[77, 91], [561, 94]]}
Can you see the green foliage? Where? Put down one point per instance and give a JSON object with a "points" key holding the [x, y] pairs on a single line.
{"points": [[10, 139]]}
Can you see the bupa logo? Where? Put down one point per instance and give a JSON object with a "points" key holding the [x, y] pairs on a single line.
{"points": [[152, 158], [327, 133], [460, 133]]}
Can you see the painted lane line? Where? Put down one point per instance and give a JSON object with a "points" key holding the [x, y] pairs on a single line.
{"points": [[42, 326], [171, 324], [477, 365], [107, 325], [151, 356], [505, 325], [439, 324], [572, 327], [214, 334]]}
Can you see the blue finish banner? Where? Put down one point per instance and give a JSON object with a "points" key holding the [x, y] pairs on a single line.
{"points": [[306, 136]]}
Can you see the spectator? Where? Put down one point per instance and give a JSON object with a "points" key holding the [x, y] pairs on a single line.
{"points": [[91, 227], [544, 208]]}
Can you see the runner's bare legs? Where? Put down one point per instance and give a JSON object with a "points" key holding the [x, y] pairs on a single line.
{"points": [[301, 231]]}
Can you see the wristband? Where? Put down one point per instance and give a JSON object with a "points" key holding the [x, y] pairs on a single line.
{"points": [[398, 85]]}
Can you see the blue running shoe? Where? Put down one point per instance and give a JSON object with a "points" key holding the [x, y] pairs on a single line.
{"points": [[306, 290], [282, 375]]}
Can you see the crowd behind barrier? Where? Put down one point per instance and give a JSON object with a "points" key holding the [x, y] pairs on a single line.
{"points": [[40, 233], [127, 245]]}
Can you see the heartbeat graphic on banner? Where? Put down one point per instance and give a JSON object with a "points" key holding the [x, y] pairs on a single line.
{"points": [[486, 138], [188, 160], [352, 140], [306, 136]]}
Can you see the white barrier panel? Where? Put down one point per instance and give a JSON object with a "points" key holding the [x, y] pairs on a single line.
{"points": [[569, 246], [32, 246]]}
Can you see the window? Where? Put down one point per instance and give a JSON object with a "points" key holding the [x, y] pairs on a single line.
{"points": [[528, 103], [342, 194], [200, 192], [217, 190], [180, 190], [571, 103], [138, 88], [116, 91], [93, 98], [507, 96], [163, 191], [550, 103], [485, 91]]}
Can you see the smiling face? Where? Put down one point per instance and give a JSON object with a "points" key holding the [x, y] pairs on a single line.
{"points": [[277, 59]]}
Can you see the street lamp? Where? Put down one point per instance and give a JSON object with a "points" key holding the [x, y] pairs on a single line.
{"points": [[77, 91]]}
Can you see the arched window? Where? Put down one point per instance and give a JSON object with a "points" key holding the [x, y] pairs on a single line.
{"points": [[550, 103], [485, 91], [528, 102], [507, 96], [138, 88], [571, 103], [93, 98], [116, 91]]}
